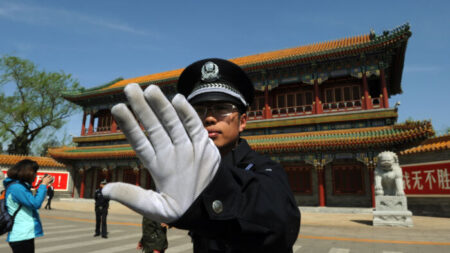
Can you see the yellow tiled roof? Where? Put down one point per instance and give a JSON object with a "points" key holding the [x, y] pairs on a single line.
{"points": [[148, 78], [41, 161], [258, 58], [302, 54], [430, 145], [317, 141]]}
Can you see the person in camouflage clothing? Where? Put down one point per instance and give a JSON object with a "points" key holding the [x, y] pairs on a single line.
{"points": [[154, 237]]}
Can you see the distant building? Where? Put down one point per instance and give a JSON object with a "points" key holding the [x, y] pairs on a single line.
{"points": [[63, 183], [322, 110]]}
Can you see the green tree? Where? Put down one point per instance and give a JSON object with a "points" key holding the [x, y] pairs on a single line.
{"points": [[49, 139], [33, 102]]}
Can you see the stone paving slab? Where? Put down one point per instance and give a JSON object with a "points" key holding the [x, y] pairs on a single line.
{"points": [[316, 221]]}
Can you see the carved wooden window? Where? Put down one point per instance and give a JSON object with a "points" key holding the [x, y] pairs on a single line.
{"points": [[356, 93], [338, 94], [347, 94], [280, 101], [290, 99], [348, 179], [294, 99], [258, 103], [329, 95], [299, 99], [344, 93], [102, 121], [299, 178], [309, 98]]}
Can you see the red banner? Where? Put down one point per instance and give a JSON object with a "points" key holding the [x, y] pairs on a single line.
{"points": [[61, 182], [427, 178]]}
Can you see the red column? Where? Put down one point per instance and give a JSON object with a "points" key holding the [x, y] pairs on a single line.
{"points": [[267, 111], [91, 123], [138, 176], [83, 177], [83, 127], [318, 104], [113, 126], [384, 89], [321, 185], [367, 99]]}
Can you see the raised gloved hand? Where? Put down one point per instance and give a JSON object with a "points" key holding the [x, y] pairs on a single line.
{"points": [[176, 150]]}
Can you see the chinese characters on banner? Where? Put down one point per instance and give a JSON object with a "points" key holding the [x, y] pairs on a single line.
{"points": [[427, 178], [61, 182]]}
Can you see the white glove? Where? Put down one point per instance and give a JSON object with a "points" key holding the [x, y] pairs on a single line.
{"points": [[177, 152]]}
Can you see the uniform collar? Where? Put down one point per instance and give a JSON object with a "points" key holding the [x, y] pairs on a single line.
{"points": [[237, 154]]}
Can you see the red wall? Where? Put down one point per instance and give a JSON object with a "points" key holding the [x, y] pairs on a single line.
{"points": [[429, 178]]}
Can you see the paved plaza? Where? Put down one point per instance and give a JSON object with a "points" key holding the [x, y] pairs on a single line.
{"points": [[69, 227]]}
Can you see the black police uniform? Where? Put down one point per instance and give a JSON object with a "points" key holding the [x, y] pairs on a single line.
{"points": [[50, 194], [248, 206], [101, 211]]}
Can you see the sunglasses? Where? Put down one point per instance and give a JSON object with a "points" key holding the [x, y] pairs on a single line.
{"points": [[218, 111]]}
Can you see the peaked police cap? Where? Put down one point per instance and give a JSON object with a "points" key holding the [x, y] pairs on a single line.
{"points": [[215, 79]]}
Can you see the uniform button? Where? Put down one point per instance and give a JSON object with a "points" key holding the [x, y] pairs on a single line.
{"points": [[217, 206]]}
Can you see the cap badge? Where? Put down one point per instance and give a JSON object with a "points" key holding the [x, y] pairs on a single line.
{"points": [[210, 72]]}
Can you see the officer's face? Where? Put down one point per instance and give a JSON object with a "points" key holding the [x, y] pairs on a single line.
{"points": [[223, 127]]}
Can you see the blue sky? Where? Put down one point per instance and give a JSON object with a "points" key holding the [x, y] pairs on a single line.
{"points": [[98, 41]]}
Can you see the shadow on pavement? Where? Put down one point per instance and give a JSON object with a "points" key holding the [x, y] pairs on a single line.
{"points": [[364, 222]]}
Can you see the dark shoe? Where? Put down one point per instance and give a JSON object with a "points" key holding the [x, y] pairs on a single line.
{"points": [[96, 235], [104, 236]]}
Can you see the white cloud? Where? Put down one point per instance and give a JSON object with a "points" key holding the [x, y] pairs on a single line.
{"points": [[59, 17]]}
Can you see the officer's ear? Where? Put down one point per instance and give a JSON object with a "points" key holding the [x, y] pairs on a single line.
{"points": [[242, 122]]}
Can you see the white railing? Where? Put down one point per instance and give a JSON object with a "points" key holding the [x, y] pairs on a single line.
{"points": [[291, 111], [342, 106], [255, 114], [376, 102]]}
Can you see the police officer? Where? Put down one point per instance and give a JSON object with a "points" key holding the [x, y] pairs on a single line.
{"points": [[50, 194], [211, 182], [101, 211]]}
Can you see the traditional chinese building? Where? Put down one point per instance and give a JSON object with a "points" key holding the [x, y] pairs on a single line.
{"points": [[322, 110]]}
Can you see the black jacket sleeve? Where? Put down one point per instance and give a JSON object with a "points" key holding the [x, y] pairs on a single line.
{"points": [[248, 205]]}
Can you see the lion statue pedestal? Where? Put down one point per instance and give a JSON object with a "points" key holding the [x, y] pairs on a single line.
{"points": [[392, 211], [391, 207]]}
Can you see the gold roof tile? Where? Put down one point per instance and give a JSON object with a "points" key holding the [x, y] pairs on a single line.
{"points": [[41, 161], [430, 145]]}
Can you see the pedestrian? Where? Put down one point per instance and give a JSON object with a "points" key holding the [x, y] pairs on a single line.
{"points": [[50, 193], [27, 224], [101, 211], [2, 188], [210, 181], [154, 237]]}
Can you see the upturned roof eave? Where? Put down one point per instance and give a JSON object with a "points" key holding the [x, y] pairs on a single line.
{"points": [[376, 42], [326, 141]]}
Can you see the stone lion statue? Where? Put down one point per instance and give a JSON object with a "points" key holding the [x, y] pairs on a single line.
{"points": [[388, 175]]}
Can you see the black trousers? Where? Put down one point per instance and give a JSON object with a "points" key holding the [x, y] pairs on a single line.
{"points": [[100, 220], [26, 246], [49, 203]]}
